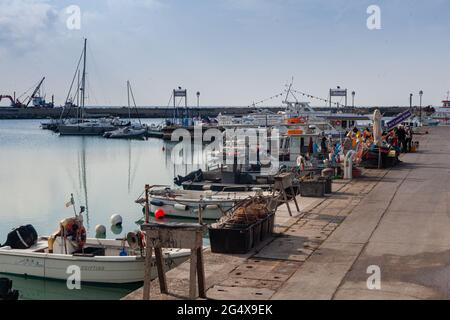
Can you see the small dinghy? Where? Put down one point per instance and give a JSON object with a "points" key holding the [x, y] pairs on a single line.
{"points": [[187, 203], [98, 260], [131, 132]]}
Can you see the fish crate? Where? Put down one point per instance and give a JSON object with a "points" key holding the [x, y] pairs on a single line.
{"points": [[312, 188], [267, 226], [328, 184], [232, 238], [271, 219], [258, 232]]}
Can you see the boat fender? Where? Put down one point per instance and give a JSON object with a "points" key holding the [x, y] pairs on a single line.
{"points": [[212, 207], [157, 203], [181, 207], [100, 231], [116, 220]]}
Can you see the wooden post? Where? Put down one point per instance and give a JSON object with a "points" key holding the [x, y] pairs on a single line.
{"points": [[179, 236], [295, 198], [161, 273], [148, 269], [193, 275], [200, 269]]}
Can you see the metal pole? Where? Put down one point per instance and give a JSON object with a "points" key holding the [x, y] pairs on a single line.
{"points": [[420, 112], [353, 99]]}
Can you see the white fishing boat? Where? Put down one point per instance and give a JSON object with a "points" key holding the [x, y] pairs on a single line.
{"points": [[68, 251], [187, 203]]}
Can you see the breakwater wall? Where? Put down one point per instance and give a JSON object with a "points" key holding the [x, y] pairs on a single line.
{"points": [[157, 113]]}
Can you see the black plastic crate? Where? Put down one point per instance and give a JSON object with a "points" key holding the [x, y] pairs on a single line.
{"points": [[232, 238], [264, 229], [257, 233], [328, 184], [271, 220], [313, 188]]}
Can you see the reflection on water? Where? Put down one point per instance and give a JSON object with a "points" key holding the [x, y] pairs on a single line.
{"points": [[39, 170], [39, 289]]}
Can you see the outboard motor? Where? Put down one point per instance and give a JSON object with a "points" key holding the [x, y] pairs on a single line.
{"points": [[6, 292], [196, 176], [22, 238]]}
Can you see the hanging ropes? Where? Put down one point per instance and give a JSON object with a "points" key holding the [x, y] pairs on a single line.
{"points": [[254, 104], [316, 98]]}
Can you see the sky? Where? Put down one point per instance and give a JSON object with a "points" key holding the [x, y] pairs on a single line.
{"points": [[235, 52]]}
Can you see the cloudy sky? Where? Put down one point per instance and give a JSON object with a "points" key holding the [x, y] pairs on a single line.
{"points": [[233, 51]]}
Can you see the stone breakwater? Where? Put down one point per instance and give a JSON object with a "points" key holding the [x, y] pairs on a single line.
{"points": [[158, 113]]}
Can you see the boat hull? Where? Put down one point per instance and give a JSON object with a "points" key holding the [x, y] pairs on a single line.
{"points": [[74, 130], [112, 270]]}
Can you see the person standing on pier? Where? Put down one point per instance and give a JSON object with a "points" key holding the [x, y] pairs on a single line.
{"points": [[324, 146], [409, 138], [401, 134]]}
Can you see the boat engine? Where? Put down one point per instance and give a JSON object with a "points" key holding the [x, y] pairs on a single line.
{"points": [[6, 292], [22, 238], [196, 176]]}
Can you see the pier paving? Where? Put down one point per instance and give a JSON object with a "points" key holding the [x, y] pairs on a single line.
{"points": [[396, 219]]}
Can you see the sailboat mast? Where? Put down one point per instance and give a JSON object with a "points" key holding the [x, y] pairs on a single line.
{"points": [[83, 80], [129, 104]]}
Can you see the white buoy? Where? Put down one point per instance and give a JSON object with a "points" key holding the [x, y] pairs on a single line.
{"points": [[100, 229], [116, 220], [100, 232]]}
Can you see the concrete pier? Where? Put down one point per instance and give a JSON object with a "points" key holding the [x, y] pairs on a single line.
{"points": [[397, 220]]}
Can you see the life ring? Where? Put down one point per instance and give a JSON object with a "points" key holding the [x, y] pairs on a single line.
{"points": [[338, 123]]}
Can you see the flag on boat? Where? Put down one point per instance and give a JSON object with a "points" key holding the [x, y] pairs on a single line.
{"points": [[71, 202]]}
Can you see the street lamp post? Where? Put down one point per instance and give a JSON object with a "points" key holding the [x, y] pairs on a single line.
{"points": [[353, 99], [420, 106], [198, 103]]}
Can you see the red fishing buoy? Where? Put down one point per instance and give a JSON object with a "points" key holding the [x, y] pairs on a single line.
{"points": [[159, 214]]}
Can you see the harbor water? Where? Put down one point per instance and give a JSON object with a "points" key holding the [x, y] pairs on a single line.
{"points": [[39, 170]]}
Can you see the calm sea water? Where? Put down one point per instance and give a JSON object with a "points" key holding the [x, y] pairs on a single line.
{"points": [[39, 170]]}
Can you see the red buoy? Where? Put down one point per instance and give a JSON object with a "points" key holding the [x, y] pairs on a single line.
{"points": [[160, 214]]}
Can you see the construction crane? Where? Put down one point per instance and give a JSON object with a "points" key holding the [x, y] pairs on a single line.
{"points": [[36, 90], [15, 103]]}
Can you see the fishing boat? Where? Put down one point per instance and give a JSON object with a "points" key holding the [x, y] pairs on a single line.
{"points": [[188, 203], [68, 249]]}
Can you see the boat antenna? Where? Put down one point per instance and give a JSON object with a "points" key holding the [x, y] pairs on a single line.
{"points": [[72, 201], [289, 89]]}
